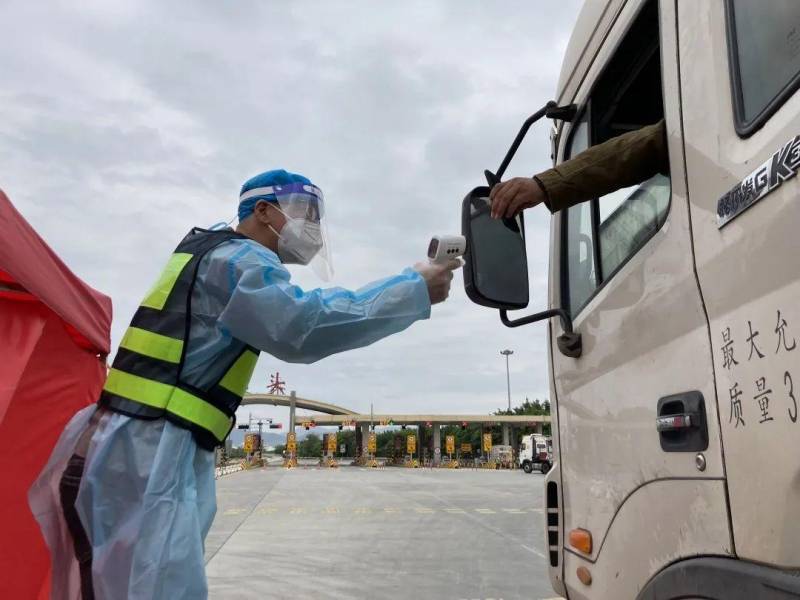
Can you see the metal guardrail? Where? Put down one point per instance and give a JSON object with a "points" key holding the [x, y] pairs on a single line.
{"points": [[227, 470]]}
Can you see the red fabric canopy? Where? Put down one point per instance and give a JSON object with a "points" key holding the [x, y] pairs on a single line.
{"points": [[54, 337]]}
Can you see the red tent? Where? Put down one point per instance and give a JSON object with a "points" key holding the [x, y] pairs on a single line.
{"points": [[54, 337]]}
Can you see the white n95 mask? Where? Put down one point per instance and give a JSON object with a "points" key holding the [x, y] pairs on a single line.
{"points": [[299, 241]]}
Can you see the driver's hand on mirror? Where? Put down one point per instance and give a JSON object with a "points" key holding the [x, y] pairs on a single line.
{"points": [[515, 195], [438, 277]]}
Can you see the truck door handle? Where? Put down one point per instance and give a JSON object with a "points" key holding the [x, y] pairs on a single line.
{"points": [[681, 422], [676, 422]]}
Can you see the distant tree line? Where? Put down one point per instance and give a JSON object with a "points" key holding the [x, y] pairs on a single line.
{"points": [[536, 408]]}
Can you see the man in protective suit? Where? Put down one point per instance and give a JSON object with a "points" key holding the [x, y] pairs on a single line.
{"points": [[128, 496]]}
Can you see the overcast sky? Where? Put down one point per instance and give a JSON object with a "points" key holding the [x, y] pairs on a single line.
{"points": [[125, 123]]}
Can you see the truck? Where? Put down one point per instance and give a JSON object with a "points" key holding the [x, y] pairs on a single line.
{"points": [[535, 452], [673, 306], [502, 456]]}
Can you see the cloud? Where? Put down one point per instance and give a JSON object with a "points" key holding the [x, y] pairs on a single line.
{"points": [[125, 124]]}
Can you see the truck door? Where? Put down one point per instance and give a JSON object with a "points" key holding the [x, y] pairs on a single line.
{"points": [[741, 119], [623, 266]]}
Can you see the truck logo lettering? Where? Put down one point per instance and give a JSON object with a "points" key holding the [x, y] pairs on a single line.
{"points": [[780, 167]]}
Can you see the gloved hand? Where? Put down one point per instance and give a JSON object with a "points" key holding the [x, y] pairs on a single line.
{"points": [[438, 277]]}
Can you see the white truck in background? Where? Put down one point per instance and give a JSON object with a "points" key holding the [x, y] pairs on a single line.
{"points": [[676, 344], [536, 452]]}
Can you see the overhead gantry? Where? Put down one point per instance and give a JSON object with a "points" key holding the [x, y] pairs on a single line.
{"points": [[333, 415], [305, 403]]}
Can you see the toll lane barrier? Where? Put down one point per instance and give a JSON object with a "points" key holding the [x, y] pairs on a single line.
{"points": [[227, 470]]}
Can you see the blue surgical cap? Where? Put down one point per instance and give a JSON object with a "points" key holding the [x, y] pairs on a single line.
{"points": [[266, 179]]}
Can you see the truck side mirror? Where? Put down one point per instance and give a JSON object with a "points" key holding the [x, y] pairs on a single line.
{"points": [[496, 264], [496, 267]]}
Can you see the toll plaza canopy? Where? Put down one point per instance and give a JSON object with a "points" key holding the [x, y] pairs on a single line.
{"points": [[54, 337]]}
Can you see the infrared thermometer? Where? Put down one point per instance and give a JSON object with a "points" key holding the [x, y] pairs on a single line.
{"points": [[446, 247]]}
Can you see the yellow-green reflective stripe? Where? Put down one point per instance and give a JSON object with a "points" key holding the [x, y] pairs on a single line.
{"points": [[158, 294], [140, 389], [200, 412], [238, 376], [175, 400], [152, 344]]}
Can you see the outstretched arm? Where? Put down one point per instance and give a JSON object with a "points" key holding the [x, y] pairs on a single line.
{"points": [[622, 161], [268, 312]]}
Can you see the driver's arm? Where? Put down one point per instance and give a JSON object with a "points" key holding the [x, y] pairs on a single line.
{"points": [[620, 162]]}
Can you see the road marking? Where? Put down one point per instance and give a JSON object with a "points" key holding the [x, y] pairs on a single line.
{"points": [[365, 510], [534, 550]]}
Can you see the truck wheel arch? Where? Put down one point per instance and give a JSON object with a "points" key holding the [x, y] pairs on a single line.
{"points": [[719, 578]]}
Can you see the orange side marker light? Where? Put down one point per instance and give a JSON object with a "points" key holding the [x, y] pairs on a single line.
{"points": [[581, 540]]}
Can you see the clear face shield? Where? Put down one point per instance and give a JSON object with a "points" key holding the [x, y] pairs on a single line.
{"points": [[303, 240]]}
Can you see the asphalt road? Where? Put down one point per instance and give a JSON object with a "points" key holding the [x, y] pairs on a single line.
{"points": [[378, 533]]}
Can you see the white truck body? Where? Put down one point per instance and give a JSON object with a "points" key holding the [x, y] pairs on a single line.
{"points": [[676, 469], [696, 301]]}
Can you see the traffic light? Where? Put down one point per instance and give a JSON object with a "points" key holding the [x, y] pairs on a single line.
{"points": [[242, 427]]}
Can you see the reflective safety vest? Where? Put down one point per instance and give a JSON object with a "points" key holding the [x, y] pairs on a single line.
{"points": [[145, 378]]}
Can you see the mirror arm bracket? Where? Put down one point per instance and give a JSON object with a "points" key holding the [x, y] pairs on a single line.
{"points": [[551, 110], [569, 342]]}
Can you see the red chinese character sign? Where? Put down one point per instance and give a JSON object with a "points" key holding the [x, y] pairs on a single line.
{"points": [[276, 385]]}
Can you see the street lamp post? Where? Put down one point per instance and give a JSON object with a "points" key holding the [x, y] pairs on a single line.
{"points": [[508, 353]]}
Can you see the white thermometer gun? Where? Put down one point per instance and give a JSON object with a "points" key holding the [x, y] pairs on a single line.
{"points": [[446, 247]]}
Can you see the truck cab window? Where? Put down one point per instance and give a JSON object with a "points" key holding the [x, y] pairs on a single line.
{"points": [[628, 218], [764, 50], [601, 235], [582, 279]]}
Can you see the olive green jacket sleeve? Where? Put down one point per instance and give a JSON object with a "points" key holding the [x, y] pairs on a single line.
{"points": [[620, 162]]}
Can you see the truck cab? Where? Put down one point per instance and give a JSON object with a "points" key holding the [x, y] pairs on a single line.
{"points": [[536, 452], [673, 359]]}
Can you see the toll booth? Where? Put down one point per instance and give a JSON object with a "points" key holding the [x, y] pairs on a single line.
{"points": [[252, 450]]}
